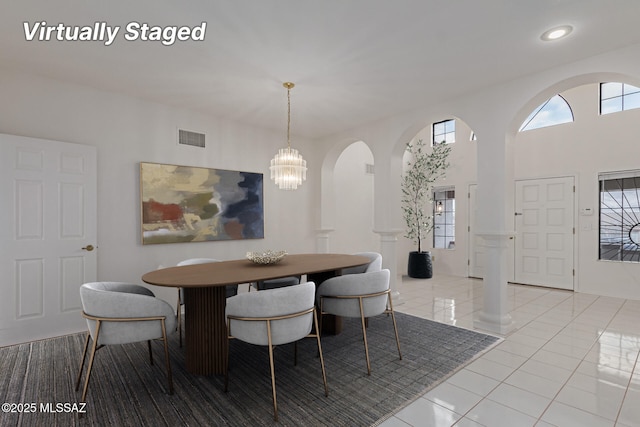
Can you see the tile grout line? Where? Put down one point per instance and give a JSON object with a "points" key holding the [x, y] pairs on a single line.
{"points": [[635, 366], [502, 382], [573, 320], [582, 360], [528, 359], [516, 369]]}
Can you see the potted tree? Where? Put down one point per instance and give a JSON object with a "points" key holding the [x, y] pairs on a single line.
{"points": [[423, 170]]}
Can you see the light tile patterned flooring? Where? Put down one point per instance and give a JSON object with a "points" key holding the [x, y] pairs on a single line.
{"points": [[572, 361]]}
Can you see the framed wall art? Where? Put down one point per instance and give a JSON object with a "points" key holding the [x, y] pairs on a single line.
{"points": [[194, 204]]}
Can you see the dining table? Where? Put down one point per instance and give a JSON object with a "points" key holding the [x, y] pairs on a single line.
{"points": [[205, 297]]}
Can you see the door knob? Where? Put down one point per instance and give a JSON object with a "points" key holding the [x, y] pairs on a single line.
{"points": [[88, 248]]}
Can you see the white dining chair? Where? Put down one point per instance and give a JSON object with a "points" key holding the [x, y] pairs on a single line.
{"points": [[280, 282], [375, 264], [121, 313], [361, 295], [272, 318]]}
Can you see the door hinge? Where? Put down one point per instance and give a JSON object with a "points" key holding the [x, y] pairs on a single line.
{"points": [[574, 272], [469, 228], [574, 231], [468, 262]]}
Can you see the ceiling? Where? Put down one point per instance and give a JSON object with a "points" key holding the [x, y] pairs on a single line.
{"points": [[353, 61]]}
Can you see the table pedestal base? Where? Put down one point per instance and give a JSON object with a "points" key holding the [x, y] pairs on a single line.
{"points": [[205, 330]]}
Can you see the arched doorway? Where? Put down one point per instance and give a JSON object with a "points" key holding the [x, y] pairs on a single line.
{"points": [[353, 190]]}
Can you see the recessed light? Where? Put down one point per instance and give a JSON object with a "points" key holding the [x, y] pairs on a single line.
{"points": [[556, 33]]}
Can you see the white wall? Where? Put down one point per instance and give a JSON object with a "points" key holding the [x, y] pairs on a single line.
{"points": [[353, 191], [127, 131], [591, 144]]}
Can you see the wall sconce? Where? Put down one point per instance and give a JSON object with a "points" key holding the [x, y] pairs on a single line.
{"points": [[439, 208]]}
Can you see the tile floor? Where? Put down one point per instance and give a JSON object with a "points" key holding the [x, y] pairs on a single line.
{"points": [[572, 361]]}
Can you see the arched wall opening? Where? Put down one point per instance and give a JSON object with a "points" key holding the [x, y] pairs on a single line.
{"points": [[581, 150], [532, 154], [526, 162], [353, 177], [347, 192], [462, 171]]}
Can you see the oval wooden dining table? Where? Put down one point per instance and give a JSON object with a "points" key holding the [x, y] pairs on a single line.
{"points": [[205, 299]]}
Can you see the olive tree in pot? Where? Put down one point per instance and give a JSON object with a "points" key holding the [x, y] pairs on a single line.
{"points": [[423, 170]]}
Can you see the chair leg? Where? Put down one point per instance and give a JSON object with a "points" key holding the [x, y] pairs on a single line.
{"points": [[273, 373], [150, 352], [364, 335], [395, 326], [324, 373], [319, 331], [166, 357], [84, 356], [226, 369], [318, 321], [179, 315], [91, 358]]}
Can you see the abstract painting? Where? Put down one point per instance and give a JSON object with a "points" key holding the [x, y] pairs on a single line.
{"points": [[193, 204]]}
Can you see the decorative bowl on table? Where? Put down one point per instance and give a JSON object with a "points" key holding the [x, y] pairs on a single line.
{"points": [[266, 257]]}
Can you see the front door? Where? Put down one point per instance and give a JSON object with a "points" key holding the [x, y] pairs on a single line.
{"points": [[544, 226], [47, 236]]}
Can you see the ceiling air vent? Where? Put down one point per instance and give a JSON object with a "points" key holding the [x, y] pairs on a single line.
{"points": [[194, 139]]}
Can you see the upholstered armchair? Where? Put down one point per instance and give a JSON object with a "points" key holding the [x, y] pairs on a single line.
{"points": [[280, 282], [375, 264], [358, 295], [271, 318], [120, 313]]}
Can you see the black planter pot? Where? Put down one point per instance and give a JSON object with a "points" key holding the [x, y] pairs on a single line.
{"points": [[420, 266]]}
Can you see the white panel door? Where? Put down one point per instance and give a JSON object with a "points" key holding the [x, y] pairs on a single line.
{"points": [[544, 225], [47, 235]]}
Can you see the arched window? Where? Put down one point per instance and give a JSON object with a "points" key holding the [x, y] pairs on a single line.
{"points": [[553, 111]]}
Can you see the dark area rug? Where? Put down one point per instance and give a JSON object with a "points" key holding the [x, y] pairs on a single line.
{"points": [[125, 390]]}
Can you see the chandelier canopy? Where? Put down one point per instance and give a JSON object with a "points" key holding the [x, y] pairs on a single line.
{"points": [[288, 168]]}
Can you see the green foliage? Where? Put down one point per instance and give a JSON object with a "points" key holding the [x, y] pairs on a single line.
{"points": [[424, 169]]}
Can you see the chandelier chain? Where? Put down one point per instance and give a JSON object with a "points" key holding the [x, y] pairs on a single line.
{"points": [[289, 116]]}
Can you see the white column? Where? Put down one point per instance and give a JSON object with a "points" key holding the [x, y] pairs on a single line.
{"points": [[388, 250], [495, 224], [495, 316]]}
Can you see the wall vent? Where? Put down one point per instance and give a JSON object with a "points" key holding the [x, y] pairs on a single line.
{"points": [[194, 139], [369, 169]]}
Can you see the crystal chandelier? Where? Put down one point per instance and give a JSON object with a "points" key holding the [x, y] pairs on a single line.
{"points": [[288, 168]]}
